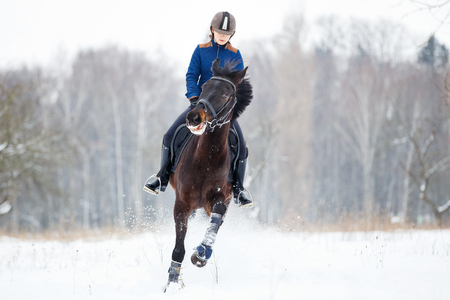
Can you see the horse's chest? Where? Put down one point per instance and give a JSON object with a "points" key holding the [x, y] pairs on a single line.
{"points": [[211, 168], [204, 169]]}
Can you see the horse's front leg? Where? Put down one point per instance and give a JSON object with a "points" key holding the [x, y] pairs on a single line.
{"points": [[203, 252], [181, 215]]}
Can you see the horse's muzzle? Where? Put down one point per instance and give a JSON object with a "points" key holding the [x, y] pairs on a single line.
{"points": [[196, 121]]}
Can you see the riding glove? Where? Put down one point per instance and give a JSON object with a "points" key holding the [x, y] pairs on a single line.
{"points": [[194, 101]]}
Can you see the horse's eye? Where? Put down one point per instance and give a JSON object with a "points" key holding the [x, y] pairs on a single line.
{"points": [[225, 95]]}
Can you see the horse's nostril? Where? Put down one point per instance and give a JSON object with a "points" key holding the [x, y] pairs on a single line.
{"points": [[194, 118]]}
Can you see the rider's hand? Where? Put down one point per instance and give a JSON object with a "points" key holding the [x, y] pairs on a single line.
{"points": [[193, 101]]}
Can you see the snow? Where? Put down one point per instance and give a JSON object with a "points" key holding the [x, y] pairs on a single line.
{"points": [[3, 146], [249, 262], [5, 207], [444, 207]]}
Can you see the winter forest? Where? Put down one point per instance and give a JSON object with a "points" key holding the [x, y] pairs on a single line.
{"points": [[349, 133]]}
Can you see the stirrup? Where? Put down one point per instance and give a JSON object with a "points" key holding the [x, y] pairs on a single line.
{"points": [[244, 205], [145, 188]]}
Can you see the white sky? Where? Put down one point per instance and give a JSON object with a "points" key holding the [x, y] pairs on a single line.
{"points": [[33, 32]]}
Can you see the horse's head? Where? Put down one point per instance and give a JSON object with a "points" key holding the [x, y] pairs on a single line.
{"points": [[217, 100]]}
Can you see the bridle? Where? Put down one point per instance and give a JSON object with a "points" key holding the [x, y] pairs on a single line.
{"points": [[207, 105]]}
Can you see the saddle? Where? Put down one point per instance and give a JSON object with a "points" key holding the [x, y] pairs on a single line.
{"points": [[183, 135]]}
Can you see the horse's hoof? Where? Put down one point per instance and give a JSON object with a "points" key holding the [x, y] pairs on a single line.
{"points": [[197, 261], [174, 283], [172, 287]]}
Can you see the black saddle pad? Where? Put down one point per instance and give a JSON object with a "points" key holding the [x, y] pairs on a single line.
{"points": [[179, 141], [183, 135]]}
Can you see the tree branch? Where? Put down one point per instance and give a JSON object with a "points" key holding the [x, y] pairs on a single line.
{"points": [[439, 166], [427, 144]]}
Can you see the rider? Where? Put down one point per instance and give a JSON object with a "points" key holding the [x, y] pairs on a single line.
{"points": [[223, 26]]}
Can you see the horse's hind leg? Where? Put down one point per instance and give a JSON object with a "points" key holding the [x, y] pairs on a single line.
{"points": [[203, 252], [181, 215]]}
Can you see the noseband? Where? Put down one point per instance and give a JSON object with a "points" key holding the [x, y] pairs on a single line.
{"points": [[207, 105]]}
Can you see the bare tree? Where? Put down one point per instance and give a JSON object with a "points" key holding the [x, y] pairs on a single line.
{"points": [[33, 144], [439, 10], [427, 170], [261, 131], [119, 95], [294, 76], [423, 133], [365, 109], [367, 84]]}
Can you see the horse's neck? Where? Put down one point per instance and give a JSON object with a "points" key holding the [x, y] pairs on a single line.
{"points": [[215, 141]]}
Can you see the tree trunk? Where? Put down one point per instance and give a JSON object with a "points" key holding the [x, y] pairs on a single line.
{"points": [[86, 190], [403, 211], [137, 174], [118, 159]]}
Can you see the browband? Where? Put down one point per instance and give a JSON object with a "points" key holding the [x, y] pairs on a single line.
{"points": [[225, 80]]}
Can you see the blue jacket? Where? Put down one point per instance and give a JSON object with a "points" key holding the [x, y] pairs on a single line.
{"points": [[199, 70]]}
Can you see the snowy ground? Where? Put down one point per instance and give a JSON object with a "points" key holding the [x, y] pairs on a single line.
{"points": [[249, 262]]}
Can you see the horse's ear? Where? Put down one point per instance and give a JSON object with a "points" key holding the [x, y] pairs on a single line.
{"points": [[240, 75]]}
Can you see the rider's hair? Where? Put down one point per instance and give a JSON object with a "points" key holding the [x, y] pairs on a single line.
{"points": [[211, 35]]}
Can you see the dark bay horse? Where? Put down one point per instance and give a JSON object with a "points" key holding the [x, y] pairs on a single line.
{"points": [[201, 177]]}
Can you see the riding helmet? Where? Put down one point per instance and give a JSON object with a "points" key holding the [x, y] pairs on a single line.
{"points": [[224, 23]]}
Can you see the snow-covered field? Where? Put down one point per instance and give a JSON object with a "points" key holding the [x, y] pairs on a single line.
{"points": [[249, 262]]}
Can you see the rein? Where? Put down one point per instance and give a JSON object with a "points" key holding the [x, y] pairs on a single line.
{"points": [[207, 105]]}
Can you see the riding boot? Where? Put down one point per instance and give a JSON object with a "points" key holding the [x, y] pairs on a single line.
{"points": [[162, 178], [238, 185]]}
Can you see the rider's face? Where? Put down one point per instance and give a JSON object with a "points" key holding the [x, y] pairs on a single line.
{"points": [[220, 38]]}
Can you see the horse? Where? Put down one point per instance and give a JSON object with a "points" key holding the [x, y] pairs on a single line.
{"points": [[201, 177]]}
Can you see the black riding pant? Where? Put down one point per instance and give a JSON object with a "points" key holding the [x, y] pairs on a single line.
{"points": [[182, 119]]}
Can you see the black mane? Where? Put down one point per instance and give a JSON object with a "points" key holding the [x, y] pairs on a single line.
{"points": [[244, 96], [244, 90]]}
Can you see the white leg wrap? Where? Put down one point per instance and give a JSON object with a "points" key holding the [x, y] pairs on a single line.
{"points": [[213, 228]]}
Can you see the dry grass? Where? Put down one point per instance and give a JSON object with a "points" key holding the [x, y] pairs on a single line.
{"points": [[68, 235], [355, 222], [346, 223]]}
